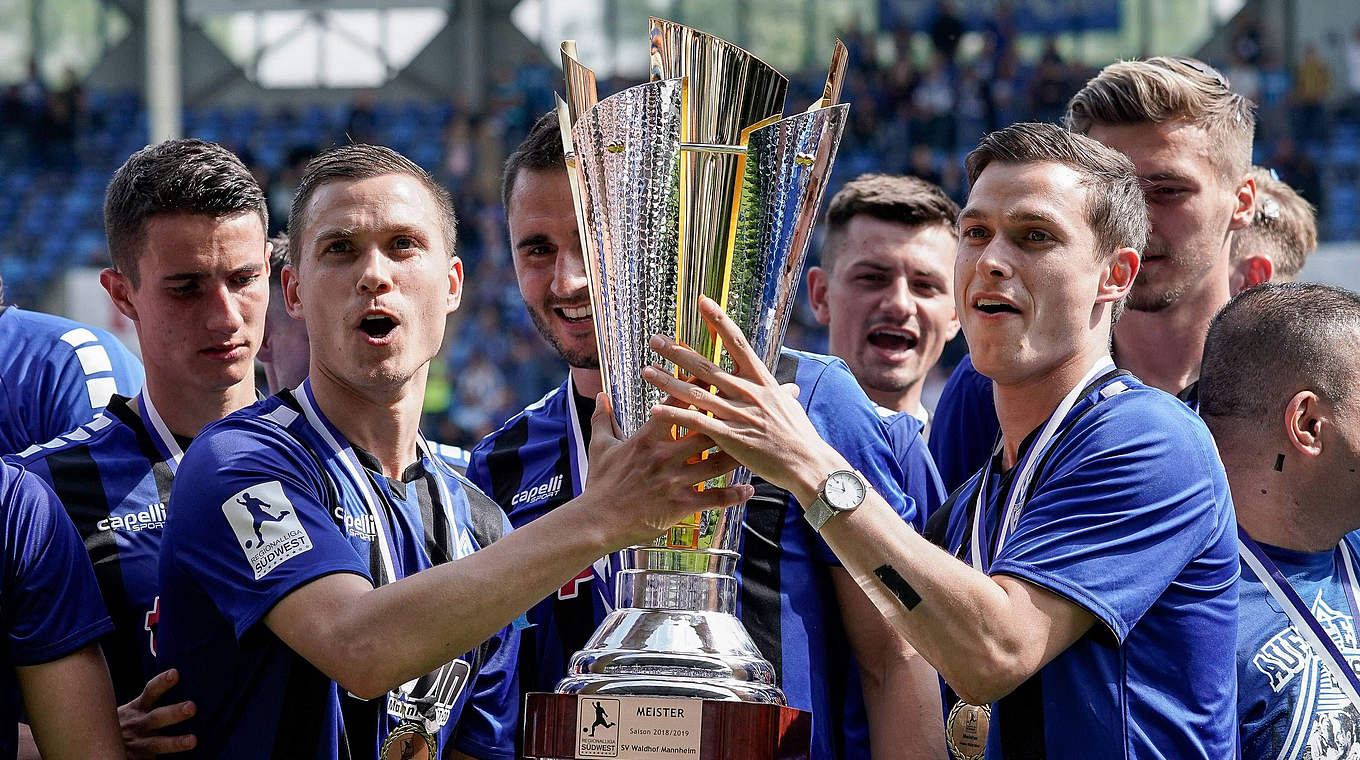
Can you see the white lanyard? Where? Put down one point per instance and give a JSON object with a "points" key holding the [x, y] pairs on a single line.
{"points": [[1302, 618], [604, 569], [1016, 503], [356, 473], [169, 446]]}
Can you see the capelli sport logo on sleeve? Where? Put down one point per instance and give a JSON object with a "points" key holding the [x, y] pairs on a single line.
{"points": [[266, 526]]}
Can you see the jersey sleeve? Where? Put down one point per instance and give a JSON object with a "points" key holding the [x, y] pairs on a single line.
{"points": [[964, 427], [84, 371], [850, 423], [486, 728], [249, 521], [920, 480], [1133, 495], [52, 605]]}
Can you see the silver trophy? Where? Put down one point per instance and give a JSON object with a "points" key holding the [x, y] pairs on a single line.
{"points": [[692, 184]]}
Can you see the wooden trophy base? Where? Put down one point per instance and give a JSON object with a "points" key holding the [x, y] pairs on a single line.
{"points": [[572, 726]]}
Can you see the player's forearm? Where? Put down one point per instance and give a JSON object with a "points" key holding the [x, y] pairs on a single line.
{"points": [[958, 619], [406, 629], [906, 721]]}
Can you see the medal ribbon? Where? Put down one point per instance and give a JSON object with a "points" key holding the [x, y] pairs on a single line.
{"points": [[604, 566], [160, 434], [1300, 615], [1030, 463]]}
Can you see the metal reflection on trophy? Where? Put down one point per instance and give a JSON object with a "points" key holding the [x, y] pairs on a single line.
{"points": [[692, 184]]}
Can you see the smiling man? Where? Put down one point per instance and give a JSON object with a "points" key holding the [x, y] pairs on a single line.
{"points": [[332, 588], [1189, 137], [869, 694], [1092, 613]]}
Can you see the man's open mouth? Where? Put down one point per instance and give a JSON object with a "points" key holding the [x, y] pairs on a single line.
{"points": [[377, 325], [890, 339], [990, 306]]}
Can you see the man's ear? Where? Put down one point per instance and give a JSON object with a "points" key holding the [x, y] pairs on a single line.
{"points": [[1304, 419], [1120, 273], [1246, 204], [120, 291], [818, 279], [292, 300], [1250, 272], [455, 296]]}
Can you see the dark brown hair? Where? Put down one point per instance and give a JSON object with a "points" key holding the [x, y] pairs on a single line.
{"points": [[540, 151], [1115, 208], [906, 200], [356, 162], [174, 177]]}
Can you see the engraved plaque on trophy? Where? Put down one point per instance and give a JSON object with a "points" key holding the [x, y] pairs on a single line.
{"points": [[692, 184]]}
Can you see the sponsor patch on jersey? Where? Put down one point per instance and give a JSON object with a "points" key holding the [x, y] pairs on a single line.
{"points": [[266, 525], [152, 517], [539, 492]]}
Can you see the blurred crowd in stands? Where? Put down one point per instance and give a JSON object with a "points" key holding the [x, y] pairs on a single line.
{"points": [[910, 114]]}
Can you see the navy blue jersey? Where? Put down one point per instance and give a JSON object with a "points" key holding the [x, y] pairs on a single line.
{"points": [[270, 498], [920, 480], [56, 375], [114, 482], [965, 425], [1130, 518], [787, 603], [1288, 705], [49, 601]]}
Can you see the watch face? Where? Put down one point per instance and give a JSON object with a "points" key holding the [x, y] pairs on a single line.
{"points": [[844, 490]]}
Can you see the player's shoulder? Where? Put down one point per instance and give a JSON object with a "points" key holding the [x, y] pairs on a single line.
{"points": [[548, 408], [821, 373], [27, 504], [1135, 427], [903, 424], [99, 434], [1127, 403], [35, 328], [268, 430]]}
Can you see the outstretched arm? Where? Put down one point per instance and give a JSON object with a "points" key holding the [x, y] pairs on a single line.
{"points": [[1013, 627], [365, 639]]}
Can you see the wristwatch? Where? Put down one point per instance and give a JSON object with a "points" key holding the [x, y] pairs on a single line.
{"points": [[842, 491]]}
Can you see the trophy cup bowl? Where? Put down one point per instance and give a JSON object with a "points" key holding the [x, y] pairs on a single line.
{"points": [[692, 184]]}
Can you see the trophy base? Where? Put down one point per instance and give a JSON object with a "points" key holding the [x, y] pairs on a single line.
{"points": [[572, 726], [700, 654]]}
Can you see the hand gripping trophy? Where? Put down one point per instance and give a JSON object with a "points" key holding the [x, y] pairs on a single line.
{"points": [[692, 184]]}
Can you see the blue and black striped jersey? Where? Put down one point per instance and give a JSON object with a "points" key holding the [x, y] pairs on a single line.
{"points": [[114, 483], [536, 462], [56, 375], [273, 497]]}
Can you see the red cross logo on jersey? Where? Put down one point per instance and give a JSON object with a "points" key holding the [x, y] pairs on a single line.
{"points": [[153, 616], [573, 587]]}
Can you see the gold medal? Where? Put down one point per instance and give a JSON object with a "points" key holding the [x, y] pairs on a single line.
{"points": [[966, 731], [408, 741]]}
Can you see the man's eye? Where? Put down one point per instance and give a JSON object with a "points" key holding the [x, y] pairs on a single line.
{"points": [[404, 243], [337, 246], [542, 250], [975, 233], [183, 290], [928, 287], [1038, 236], [246, 279]]}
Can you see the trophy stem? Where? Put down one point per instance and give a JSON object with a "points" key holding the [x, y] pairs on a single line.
{"points": [[675, 632]]}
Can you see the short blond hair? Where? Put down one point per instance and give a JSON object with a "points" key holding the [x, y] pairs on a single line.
{"points": [[1284, 227], [1161, 89]]}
